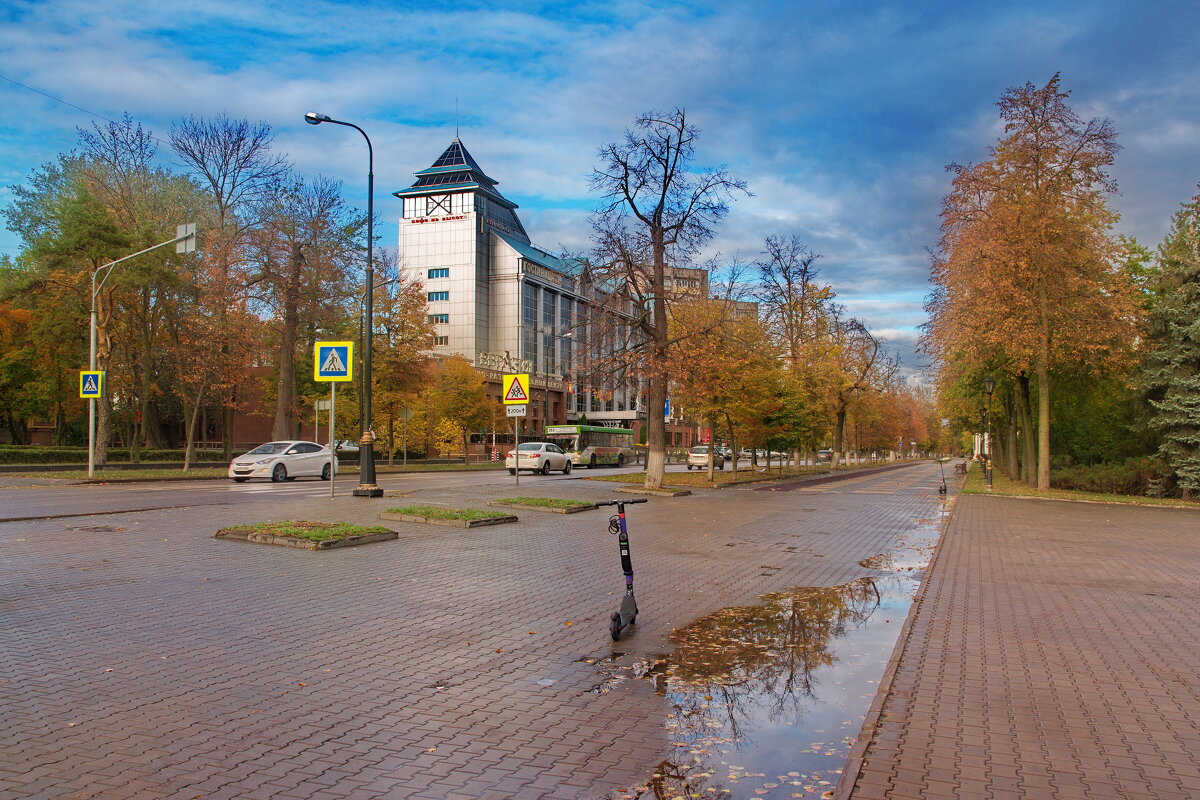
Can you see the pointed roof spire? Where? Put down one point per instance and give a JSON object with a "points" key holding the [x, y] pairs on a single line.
{"points": [[454, 169]]}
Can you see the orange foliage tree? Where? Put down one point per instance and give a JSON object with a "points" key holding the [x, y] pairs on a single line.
{"points": [[1026, 278]]}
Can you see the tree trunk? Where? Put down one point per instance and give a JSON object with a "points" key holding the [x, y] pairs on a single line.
{"points": [[285, 394], [227, 432], [189, 451], [1043, 463], [1012, 462], [839, 429], [1029, 453]]}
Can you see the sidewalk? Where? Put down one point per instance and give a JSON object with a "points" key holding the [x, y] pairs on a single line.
{"points": [[1055, 653]]}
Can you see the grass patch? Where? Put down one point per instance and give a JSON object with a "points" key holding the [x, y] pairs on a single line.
{"points": [[312, 531], [126, 475], [1007, 487], [545, 502], [699, 478], [436, 512]]}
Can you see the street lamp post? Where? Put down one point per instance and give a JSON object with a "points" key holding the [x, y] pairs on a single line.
{"points": [[185, 242], [366, 455], [989, 385]]}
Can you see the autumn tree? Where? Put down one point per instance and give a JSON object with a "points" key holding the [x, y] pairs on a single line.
{"points": [[461, 398], [402, 335], [657, 209], [1170, 370], [723, 369], [1025, 275]]}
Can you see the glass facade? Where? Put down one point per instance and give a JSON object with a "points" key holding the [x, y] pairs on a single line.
{"points": [[529, 321]]}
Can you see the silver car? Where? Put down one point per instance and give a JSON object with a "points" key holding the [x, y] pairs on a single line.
{"points": [[284, 461], [538, 457], [698, 458]]}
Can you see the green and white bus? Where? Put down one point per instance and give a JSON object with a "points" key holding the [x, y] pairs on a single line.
{"points": [[593, 446]]}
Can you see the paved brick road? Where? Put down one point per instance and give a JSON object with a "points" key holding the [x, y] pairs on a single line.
{"points": [[156, 662], [1055, 654]]}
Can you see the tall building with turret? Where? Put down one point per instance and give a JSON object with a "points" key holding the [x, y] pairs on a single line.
{"points": [[503, 303]]}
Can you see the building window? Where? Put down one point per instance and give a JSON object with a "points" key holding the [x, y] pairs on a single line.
{"points": [[442, 319], [441, 341], [439, 295], [529, 319], [440, 272]]}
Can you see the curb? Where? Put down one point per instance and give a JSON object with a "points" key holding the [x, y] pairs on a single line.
{"points": [[573, 510], [449, 523], [303, 544], [866, 734], [654, 492]]}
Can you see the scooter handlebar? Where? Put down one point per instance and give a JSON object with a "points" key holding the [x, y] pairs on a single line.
{"points": [[620, 502]]}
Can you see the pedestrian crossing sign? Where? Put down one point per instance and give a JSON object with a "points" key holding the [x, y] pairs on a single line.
{"points": [[516, 390], [333, 361], [91, 383]]}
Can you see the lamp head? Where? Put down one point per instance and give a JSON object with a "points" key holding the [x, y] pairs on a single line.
{"points": [[313, 118], [989, 385]]}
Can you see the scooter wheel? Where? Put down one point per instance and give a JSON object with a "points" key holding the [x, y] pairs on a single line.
{"points": [[615, 626]]}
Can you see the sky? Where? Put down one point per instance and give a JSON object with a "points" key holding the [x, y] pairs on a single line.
{"points": [[840, 116]]}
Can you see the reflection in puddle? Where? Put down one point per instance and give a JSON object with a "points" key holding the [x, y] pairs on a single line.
{"points": [[768, 699]]}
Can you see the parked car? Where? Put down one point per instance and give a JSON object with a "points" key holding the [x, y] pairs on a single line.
{"points": [[538, 457], [284, 461], [824, 455], [698, 458], [346, 446], [725, 453]]}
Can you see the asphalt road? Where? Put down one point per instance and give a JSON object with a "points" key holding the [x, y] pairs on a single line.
{"points": [[22, 499]]}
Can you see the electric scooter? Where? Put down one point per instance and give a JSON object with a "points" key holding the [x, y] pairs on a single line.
{"points": [[623, 619], [942, 470]]}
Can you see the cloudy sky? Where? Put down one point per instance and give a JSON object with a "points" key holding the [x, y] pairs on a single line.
{"points": [[841, 116]]}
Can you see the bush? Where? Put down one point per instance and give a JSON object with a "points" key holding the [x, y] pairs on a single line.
{"points": [[28, 454], [1135, 476]]}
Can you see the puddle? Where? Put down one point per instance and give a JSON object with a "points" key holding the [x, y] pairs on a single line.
{"points": [[767, 700]]}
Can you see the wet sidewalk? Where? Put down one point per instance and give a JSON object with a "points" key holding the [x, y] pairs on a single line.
{"points": [[1055, 653]]}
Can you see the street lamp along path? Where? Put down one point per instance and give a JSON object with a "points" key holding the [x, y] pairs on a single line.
{"points": [[185, 242], [366, 455]]}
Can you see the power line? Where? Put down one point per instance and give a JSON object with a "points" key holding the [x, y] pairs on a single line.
{"points": [[72, 105]]}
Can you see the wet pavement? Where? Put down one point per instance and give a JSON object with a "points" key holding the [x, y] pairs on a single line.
{"points": [[140, 658]]}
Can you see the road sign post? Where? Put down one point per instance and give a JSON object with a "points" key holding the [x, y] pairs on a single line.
{"points": [[333, 362], [515, 390]]}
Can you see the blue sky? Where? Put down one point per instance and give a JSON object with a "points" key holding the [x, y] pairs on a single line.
{"points": [[840, 116]]}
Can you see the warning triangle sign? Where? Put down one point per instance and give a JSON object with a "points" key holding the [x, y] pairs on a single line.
{"points": [[516, 393], [333, 362], [89, 385]]}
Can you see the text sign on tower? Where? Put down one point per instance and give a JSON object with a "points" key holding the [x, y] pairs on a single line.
{"points": [[516, 390], [333, 361]]}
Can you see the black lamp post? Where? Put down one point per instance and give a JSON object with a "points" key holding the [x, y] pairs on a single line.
{"points": [[366, 455], [989, 386]]}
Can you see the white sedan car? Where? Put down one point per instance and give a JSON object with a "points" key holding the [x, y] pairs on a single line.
{"points": [[284, 461], [538, 457]]}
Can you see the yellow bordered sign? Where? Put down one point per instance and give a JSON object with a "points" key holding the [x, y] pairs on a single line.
{"points": [[333, 361], [91, 383], [516, 390]]}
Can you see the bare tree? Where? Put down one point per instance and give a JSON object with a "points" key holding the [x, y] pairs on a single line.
{"points": [[656, 210], [304, 253], [232, 158]]}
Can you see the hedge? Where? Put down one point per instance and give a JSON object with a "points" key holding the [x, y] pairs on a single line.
{"points": [[28, 454]]}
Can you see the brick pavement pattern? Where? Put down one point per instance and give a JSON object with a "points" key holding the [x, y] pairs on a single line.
{"points": [[140, 659], [1055, 654]]}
